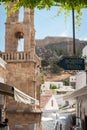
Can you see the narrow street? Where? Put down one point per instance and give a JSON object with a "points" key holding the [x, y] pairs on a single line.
{"points": [[56, 121]]}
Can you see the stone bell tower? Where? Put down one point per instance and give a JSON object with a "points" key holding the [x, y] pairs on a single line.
{"points": [[23, 71], [16, 30]]}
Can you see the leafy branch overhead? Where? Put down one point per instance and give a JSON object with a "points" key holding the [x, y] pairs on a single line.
{"points": [[66, 4]]}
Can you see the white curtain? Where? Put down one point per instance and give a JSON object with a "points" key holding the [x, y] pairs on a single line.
{"points": [[22, 97]]}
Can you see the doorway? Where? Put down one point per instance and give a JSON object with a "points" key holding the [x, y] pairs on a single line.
{"points": [[85, 122]]}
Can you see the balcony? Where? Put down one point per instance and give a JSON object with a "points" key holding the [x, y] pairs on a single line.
{"points": [[16, 56]]}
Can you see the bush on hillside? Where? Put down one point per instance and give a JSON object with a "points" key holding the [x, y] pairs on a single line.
{"points": [[53, 86]]}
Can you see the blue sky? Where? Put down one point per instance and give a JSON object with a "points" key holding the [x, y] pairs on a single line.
{"points": [[47, 23]]}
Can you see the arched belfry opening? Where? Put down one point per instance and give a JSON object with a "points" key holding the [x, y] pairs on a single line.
{"points": [[20, 36], [20, 45], [21, 14]]}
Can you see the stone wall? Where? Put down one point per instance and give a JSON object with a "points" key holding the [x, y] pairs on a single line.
{"points": [[24, 121], [23, 71]]}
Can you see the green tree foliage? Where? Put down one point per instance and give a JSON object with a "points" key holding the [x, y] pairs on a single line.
{"points": [[66, 81], [54, 67], [66, 4], [44, 63], [61, 51], [53, 86], [79, 52], [42, 76]]}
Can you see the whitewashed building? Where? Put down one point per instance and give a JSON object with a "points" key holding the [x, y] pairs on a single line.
{"points": [[2, 80], [80, 79], [84, 51], [80, 94], [60, 88], [46, 85], [48, 103]]}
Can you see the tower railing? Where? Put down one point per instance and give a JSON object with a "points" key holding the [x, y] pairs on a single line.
{"points": [[15, 56]]}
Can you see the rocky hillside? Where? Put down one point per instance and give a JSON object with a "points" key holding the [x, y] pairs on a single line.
{"points": [[52, 47]]}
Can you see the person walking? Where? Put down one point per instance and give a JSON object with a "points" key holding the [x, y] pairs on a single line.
{"points": [[70, 128], [6, 124], [73, 128], [57, 126], [60, 126]]}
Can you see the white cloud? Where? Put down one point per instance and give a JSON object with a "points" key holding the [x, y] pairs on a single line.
{"points": [[85, 39], [64, 34]]}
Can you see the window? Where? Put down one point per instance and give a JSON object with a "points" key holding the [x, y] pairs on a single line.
{"points": [[18, 127], [1, 99], [32, 127], [20, 45], [52, 103]]}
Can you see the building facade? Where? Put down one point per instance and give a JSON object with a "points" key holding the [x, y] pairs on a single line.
{"points": [[23, 71], [80, 95], [2, 80]]}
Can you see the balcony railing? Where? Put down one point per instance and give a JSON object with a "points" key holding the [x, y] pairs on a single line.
{"points": [[15, 56]]}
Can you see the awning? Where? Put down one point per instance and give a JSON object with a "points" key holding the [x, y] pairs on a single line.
{"points": [[77, 93], [18, 95]]}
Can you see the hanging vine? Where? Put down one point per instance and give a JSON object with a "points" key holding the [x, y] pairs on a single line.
{"points": [[66, 5]]}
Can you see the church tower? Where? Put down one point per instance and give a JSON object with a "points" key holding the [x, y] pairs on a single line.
{"points": [[23, 70], [16, 30]]}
